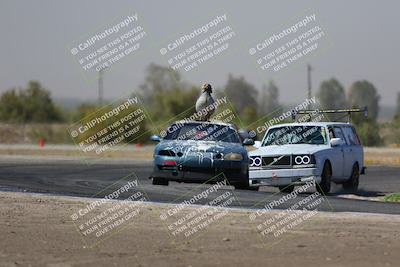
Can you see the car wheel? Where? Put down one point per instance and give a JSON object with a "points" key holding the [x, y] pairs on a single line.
{"points": [[352, 183], [324, 186], [253, 188], [159, 181], [241, 185], [286, 189], [247, 188]]}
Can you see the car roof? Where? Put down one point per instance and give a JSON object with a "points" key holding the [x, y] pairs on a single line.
{"points": [[320, 124]]}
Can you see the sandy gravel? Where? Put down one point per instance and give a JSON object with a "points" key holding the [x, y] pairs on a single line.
{"points": [[37, 230]]}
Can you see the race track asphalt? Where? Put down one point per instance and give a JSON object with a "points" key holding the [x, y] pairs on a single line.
{"points": [[76, 178]]}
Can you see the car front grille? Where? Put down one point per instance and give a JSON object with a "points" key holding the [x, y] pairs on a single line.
{"points": [[276, 161]]}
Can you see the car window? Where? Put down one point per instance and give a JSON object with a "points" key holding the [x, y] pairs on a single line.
{"points": [[351, 136], [356, 135], [339, 134], [203, 132], [302, 134], [331, 133]]}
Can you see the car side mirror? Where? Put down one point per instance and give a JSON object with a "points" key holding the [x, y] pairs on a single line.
{"points": [[257, 144], [336, 142], [248, 142], [155, 138]]}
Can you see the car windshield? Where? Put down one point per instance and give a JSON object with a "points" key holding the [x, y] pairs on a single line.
{"points": [[204, 132], [315, 135]]}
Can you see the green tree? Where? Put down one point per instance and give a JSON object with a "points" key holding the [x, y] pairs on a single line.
{"points": [[165, 96], [32, 104], [369, 133], [11, 107], [249, 115], [241, 93], [158, 80], [331, 95], [83, 110], [269, 98], [364, 94], [177, 100], [397, 115]]}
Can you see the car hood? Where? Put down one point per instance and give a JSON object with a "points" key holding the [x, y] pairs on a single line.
{"points": [[199, 146], [288, 149]]}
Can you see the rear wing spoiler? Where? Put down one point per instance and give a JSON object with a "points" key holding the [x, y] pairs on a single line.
{"points": [[331, 111]]}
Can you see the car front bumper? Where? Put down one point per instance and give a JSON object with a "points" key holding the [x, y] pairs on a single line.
{"points": [[233, 172], [283, 177]]}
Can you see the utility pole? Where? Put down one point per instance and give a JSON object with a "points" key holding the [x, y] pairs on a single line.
{"points": [[309, 69], [100, 87]]}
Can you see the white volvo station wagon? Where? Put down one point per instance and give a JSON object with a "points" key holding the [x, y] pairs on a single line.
{"points": [[296, 153]]}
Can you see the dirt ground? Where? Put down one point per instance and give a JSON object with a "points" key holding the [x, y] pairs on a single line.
{"points": [[38, 230]]}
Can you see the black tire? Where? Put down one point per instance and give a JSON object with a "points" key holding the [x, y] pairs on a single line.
{"points": [[241, 185], [286, 188], [253, 188], [352, 183], [324, 187], [159, 181]]}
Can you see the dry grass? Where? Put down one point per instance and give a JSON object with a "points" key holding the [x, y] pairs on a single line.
{"points": [[373, 156], [382, 156], [129, 151]]}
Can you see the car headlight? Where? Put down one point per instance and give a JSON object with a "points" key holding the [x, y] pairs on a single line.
{"points": [[255, 161], [303, 159], [233, 156]]}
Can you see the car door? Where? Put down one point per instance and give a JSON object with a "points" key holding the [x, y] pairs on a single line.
{"points": [[337, 156], [352, 151], [359, 150]]}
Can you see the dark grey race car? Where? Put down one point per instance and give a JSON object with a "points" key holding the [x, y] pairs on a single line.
{"points": [[199, 152]]}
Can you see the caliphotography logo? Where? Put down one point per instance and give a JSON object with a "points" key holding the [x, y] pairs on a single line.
{"points": [[212, 133]]}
